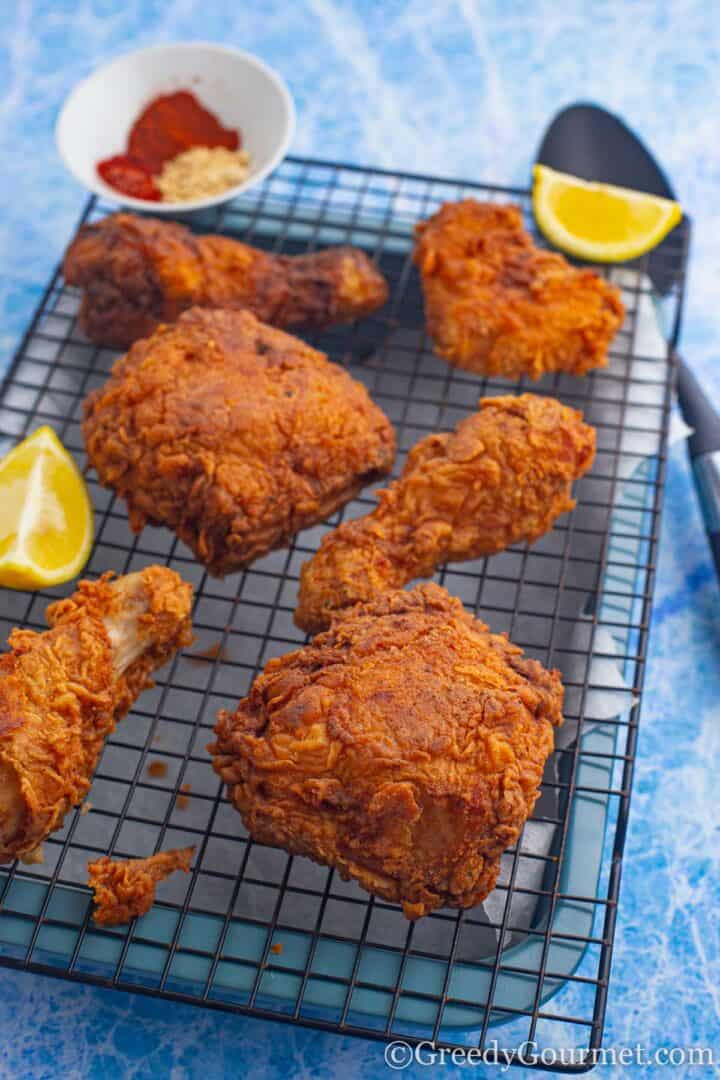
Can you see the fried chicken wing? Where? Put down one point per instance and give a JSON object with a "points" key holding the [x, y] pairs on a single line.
{"points": [[498, 305], [124, 888], [62, 692], [233, 434], [136, 272], [504, 475], [404, 747]]}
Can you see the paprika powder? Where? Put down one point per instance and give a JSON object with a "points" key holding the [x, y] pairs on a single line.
{"points": [[167, 127]]}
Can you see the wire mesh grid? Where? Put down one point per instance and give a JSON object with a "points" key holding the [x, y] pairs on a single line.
{"points": [[252, 929]]}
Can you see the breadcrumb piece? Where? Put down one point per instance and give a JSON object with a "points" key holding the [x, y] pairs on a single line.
{"points": [[213, 652], [34, 857], [126, 888]]}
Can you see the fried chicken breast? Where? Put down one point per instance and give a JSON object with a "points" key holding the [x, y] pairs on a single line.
{"points": [[504, 475], [498, 305], [136, 272], [62, 692], [233, 434], [124, 888], [404, 747]]}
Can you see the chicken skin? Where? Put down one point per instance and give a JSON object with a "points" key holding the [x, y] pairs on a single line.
{"points": [[404, 747], [504, 475], [233, 434], [124, 888], [137, 272], [62, 692], [498, 305]]}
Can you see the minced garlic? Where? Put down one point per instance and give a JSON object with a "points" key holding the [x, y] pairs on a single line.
{"points": [[201, 172]]}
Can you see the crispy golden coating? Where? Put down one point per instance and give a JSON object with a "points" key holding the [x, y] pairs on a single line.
{"points": [[233, 434], [498, 305], [136, 272], [126, 887], [62, 692], [504, 475], [404, 747]]}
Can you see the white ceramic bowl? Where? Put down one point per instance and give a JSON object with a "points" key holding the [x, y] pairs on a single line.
{"points": [[242, 91]]}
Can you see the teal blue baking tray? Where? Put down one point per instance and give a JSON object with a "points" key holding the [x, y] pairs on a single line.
{"points": [[251, 929]]}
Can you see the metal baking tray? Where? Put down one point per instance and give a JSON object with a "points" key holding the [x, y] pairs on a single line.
{"points": [[253, 930]]}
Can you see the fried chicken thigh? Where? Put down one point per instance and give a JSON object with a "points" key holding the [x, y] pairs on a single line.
{"points": [[233, 434], [124, 888], [504, 475], [136, 272], [498, 305], [404, 747], [62, 692]]}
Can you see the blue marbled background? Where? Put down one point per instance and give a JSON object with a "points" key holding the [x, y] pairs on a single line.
{"points": [[461, 88]]}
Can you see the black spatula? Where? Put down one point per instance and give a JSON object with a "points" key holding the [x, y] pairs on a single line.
{"points": [[590, 142]]}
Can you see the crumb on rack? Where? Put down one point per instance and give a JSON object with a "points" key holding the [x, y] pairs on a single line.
{"points": [[125, 888], [182, 802], [34, 857], [157, 769], [213, 652]]}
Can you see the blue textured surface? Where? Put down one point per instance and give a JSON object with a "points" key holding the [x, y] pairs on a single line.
{"points": [[462, 89]]}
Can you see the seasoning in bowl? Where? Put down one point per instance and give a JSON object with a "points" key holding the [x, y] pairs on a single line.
{"points": [[201, 172], [126, 174], [177, 151]]}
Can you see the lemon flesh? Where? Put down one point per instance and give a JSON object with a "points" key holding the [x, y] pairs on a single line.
{"points": [[46, 520], [599, 222]]}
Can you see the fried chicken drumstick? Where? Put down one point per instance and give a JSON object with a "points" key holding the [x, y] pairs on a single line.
{"points": [[62, 692], [233, 434], [136, 272], [498, 305], [404, 747], [124, 888], [504, 475]]}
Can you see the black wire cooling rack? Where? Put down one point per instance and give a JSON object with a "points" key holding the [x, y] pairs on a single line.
{"points": [[253, 930]]}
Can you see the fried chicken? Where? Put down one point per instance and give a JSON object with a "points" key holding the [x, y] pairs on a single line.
{"points": [[62, 692], [136, 272], [504, 475], [404, 747], [498, 305], [125, 888], [233, 434]]}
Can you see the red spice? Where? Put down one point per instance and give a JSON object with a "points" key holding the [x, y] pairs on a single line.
{"points": [[126, 174], [169, 125], [213, 652], [173, 123]]}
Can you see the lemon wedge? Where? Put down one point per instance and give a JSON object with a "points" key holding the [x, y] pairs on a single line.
{"points": [[46, 524], [599, 222]]}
